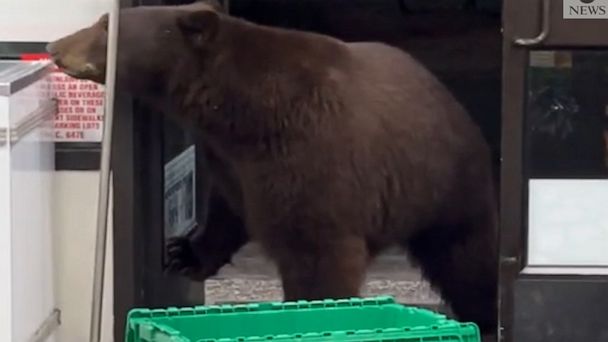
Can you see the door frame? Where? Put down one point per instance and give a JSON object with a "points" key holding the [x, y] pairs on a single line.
{"points": [[140, 280], [528, 25]]}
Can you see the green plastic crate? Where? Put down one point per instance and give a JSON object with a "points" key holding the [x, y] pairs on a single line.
{"points": [[349, 320]]}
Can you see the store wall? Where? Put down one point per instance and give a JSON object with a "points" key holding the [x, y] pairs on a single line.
{"points": [[43, 20], [75, 213], [75, 192]]}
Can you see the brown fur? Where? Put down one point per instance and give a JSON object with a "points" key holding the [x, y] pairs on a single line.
{"points": [[325, 152]]}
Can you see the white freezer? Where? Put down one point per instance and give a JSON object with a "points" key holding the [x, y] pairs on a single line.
{"points": [[26, 165]]}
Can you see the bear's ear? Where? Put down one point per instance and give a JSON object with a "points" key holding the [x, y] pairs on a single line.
{"points": [[103, 21], [199, 26]]}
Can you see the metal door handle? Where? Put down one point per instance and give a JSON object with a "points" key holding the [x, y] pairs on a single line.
{"points": [[546, 21]]}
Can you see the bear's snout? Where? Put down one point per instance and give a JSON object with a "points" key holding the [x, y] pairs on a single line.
{"points": [[54, 54], [54, 51], [51, 48]]}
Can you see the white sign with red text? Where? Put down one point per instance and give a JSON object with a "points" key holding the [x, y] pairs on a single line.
{"points": [[80, 111]]}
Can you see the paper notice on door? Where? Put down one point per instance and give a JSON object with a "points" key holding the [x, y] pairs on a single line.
{"points": [[180, 194]]}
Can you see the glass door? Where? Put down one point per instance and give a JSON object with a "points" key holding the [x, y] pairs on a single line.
{"points": [[159, 184], [554, 221]]}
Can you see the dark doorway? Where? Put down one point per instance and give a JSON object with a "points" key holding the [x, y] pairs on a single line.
{"points": [[458, 40]]}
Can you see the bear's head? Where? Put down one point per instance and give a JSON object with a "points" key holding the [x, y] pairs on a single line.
{"points": [[151, 40]]}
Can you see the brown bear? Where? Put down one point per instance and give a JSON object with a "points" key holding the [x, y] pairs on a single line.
{"points": [[325, 152]]}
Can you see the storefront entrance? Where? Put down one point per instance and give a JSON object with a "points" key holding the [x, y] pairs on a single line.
{"points": [[554, 258]]}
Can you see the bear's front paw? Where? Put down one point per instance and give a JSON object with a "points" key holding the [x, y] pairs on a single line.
{"points": [[181, 258]]}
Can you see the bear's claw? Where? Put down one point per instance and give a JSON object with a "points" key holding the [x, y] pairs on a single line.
{"points": [[181, 257]]}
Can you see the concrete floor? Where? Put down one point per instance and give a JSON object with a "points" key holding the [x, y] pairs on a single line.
{"points": [[253, 278]]}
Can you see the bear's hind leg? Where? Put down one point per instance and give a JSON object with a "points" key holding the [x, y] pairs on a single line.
{"points": [[328, 270], [462, 265]]}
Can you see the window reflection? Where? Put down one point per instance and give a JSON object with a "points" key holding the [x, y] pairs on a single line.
{"points": [[566, 135]]}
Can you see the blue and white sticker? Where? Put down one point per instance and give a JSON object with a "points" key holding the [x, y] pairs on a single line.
{"points": [[180, 193]]}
